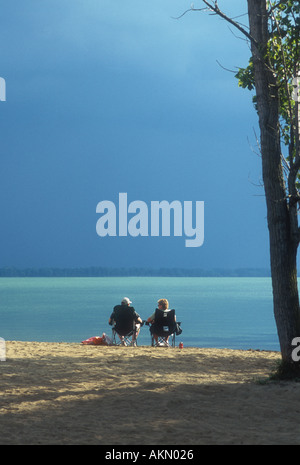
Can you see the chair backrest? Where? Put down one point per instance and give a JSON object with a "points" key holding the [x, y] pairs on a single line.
{"points": [[165, 321], [124, 317]]}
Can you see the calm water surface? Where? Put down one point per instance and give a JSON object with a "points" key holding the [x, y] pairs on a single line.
{"points": [[215, 312]]}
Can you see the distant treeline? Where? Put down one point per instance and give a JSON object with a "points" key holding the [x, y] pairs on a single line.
{"points": [[111, 272]]}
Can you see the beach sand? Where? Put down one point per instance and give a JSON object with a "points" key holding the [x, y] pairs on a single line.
{"points": [[61, 393]]}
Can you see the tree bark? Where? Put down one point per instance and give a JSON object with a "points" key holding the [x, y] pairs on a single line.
{"points": [[280, 213]]}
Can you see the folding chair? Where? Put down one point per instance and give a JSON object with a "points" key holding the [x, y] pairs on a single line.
{"points": [[124, 325], [165, 328]]}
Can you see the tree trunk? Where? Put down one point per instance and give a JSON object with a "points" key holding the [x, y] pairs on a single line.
{"points": [[281, 218]]}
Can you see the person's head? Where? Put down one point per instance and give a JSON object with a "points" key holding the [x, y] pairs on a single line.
{"points": [[163, 304], [126, 301]]}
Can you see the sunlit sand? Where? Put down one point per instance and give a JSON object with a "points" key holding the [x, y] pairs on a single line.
{"points": [[60, 393]]}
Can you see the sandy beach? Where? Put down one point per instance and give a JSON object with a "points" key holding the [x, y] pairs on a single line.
{"points": [[61, 393]]}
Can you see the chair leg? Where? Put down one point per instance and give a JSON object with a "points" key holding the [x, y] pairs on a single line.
{"points": [[124, 340], [164, 341], [173, 340]]}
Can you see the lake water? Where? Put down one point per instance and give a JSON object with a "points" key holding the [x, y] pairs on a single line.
{"points": [[234, 313]]}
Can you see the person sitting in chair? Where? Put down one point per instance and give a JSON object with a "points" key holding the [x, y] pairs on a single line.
{"points": [[163, 321], [125, 320]]}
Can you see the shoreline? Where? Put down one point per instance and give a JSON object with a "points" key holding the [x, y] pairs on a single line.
{"points": [[69, 393]]}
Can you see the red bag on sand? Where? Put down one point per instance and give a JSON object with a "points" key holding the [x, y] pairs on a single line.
{"points": [[95, 341], [98, 341]]}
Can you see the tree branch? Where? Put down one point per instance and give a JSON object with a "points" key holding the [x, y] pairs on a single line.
{"points": [[215, 8], [187, 11]]}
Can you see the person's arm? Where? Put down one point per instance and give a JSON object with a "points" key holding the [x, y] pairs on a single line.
{"points": [[151, 318], [138, 319]]}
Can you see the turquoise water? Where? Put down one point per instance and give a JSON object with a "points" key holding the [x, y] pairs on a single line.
{"points": [[235, 313]]}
